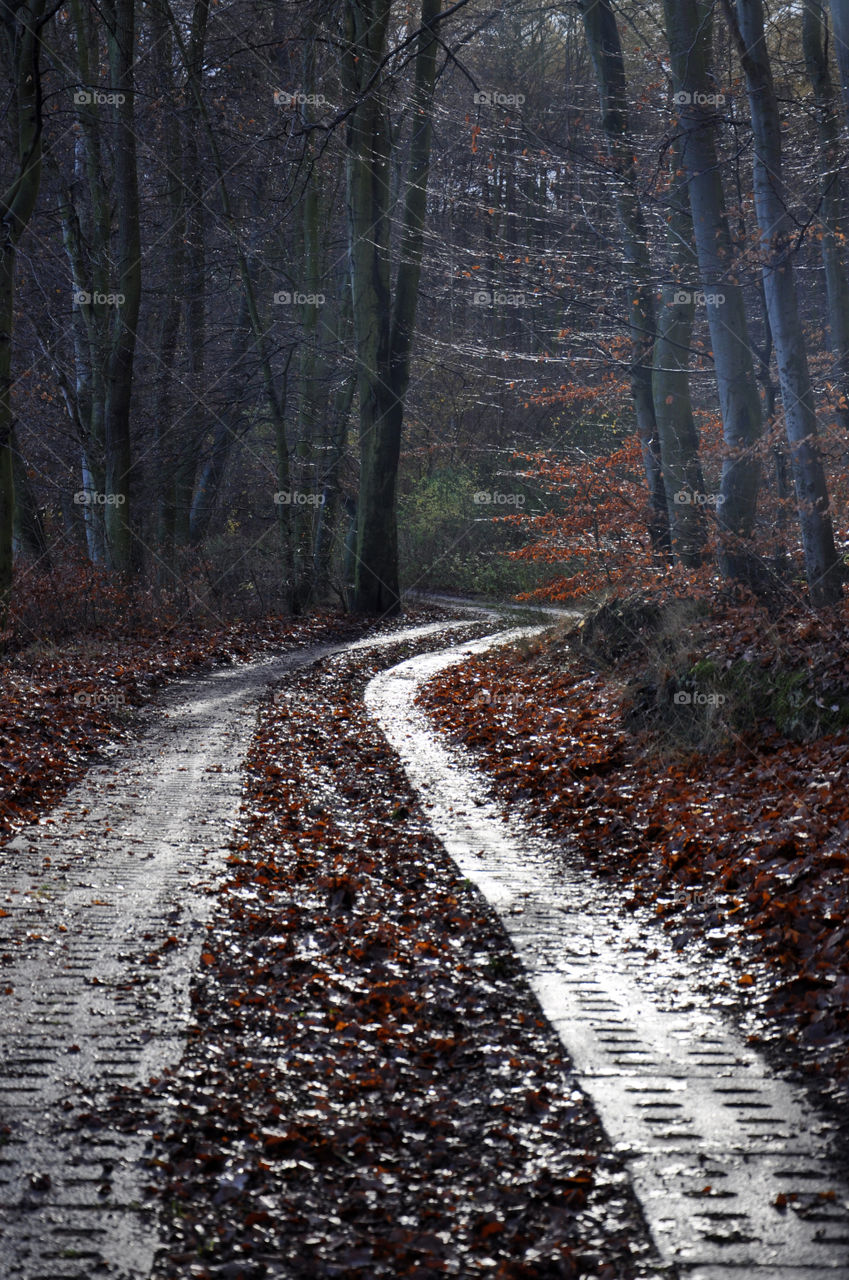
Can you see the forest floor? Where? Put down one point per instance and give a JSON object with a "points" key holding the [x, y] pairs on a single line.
{"points": [[371, 1089], [351, 977]]}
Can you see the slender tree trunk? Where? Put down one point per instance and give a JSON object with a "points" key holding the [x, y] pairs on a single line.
{"points": [[193, 426], [314, 330], [368, 201], [834, 220], [21, 35], [840, 25], [275, 396], [328, 516], [85, 214], [383, 326], [228, 430], [689, 27], [119, 541], [171, 301], [822, 565], [86, 401], [679, 442], [606, 51]]}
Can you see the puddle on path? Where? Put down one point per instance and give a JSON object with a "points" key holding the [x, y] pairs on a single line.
{"points": [[730, 1162]]}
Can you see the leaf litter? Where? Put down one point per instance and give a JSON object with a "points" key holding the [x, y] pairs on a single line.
{"points": [[369, 1088]]}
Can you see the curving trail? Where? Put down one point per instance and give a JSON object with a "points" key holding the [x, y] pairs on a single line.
{"points": [[104, 904], [729, 1161], [104, 907]]}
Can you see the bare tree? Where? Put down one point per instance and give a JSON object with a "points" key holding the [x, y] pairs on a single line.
{"points": [[21, 35], [822, 565]]}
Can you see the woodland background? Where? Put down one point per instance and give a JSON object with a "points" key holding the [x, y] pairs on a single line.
{"points": [[612, 341]]}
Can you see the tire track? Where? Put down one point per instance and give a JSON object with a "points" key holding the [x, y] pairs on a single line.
{"points": [[105, 904], [730, 1163]]}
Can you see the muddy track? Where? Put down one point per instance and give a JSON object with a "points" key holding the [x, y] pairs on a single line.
{"points": [[104, 903], [732, 1164]]}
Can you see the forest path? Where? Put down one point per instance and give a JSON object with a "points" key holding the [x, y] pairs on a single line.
{"points": [[728, 1160], [105, 903], [102, 911]]}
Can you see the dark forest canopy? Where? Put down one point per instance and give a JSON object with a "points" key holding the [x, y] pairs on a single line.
{"points": [[299, 300]]}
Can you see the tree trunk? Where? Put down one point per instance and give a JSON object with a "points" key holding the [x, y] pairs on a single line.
{"points": [[228, 430], [84, 210], [834, 221], [822, 565], [679, 442], [328, 515], [189, 438], [170, 300], [689, 27], [119, 541], [368, 200], [315, 328], [606, 52], [383, 328], [21, 34], [840, 24], [275, 396]]}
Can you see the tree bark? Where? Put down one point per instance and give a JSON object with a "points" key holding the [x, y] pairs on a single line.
{"points": [[21, 34], [383, 326], [833, 220], [840, 25], [121, 39], [822, 565], [679, 442], [689, 29], [606, 53], [194, 423]]}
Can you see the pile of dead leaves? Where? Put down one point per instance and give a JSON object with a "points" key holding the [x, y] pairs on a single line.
{"points": [[753, 838], [370, 1089]]}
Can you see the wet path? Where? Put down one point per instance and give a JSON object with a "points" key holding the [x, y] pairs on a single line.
{"points": [[104, 905], [729, 1161]]}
